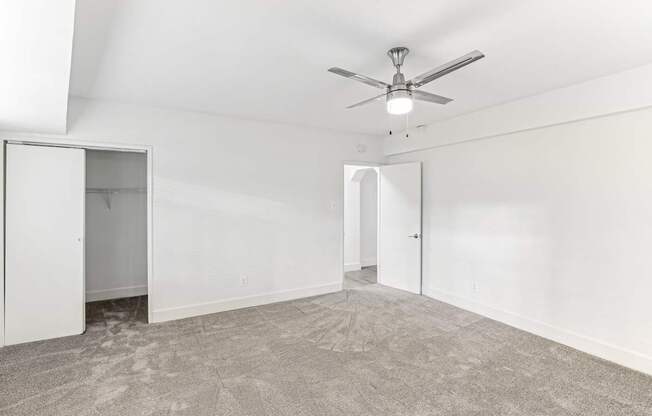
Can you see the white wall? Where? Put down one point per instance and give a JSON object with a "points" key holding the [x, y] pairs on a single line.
{"points": [[116, 236], [549, 230], [368, 218], [36, 44], [231, 199]]}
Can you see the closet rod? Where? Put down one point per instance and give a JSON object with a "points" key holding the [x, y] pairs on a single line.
{"points": [[115, 190], [108, 192]]}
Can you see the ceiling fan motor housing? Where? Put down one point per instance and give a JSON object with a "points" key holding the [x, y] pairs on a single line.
{"points": [[395, 93], [398, 88]]}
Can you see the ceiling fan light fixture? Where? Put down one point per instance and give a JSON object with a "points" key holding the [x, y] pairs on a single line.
{"points": [[399, 102]]}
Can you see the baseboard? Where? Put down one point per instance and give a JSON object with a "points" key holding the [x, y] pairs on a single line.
{"points": [[623, 356], [368, 262], [350, 267], [169, 314], [119, 292]]}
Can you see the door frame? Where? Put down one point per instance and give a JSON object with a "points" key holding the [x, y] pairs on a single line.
{"points": [[342, 191], [86, 145]]}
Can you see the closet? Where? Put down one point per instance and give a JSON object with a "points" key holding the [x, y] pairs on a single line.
{"points": [[75, 232], [116, 225]]}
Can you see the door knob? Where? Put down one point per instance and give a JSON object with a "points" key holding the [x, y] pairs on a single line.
{"points": [[415, 235]]}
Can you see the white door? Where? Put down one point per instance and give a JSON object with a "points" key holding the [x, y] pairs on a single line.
{"points": [[44, 220], [399, 238]]}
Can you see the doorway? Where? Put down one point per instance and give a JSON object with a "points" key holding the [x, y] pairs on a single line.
{"points": [[360, 226], [77, 222], [382, 238]]}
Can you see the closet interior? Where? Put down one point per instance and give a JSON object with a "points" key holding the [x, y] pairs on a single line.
{"points": [[116, 236]]}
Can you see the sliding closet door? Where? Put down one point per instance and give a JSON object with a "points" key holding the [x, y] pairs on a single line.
{"points": [[44, 271]]}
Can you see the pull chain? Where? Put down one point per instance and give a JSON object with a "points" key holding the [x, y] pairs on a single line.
{"points": [[407, 125]]}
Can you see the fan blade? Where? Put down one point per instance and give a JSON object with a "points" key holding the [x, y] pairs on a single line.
{"points": [[431, 98], [367, 101], [447, 68], [359, 78]]}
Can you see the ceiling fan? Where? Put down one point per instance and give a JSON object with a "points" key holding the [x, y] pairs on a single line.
{"points": [[400, 93]]}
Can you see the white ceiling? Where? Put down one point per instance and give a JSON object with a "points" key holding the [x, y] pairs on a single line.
{"points": [[267, 59]]}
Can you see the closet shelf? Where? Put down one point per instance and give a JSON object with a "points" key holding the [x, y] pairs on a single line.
{"points": [[108, 192]]}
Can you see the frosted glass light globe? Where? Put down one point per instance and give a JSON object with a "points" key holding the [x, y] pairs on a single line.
{"points": [[399, 105]]}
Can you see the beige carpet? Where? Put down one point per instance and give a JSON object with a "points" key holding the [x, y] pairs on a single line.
{"points": [[364, 351], [358, 278]]}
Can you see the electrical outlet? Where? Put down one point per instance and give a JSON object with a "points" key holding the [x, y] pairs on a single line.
{"points": [[244, 281]]}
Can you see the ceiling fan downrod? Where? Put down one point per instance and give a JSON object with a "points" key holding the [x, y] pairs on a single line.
{"points": [[397, 55]]}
